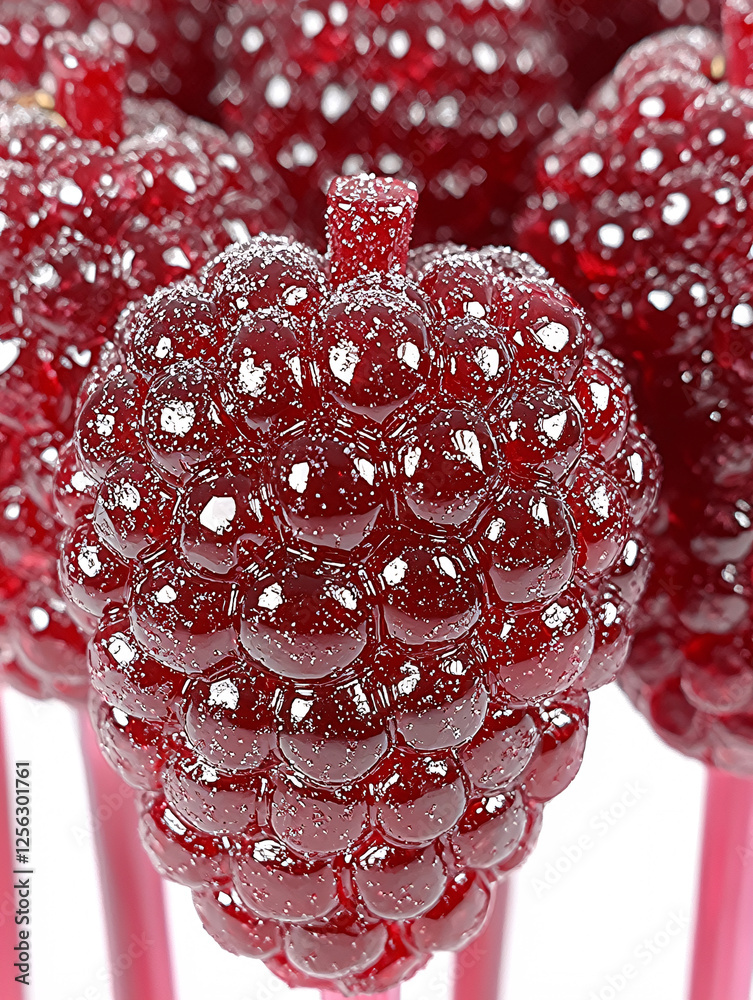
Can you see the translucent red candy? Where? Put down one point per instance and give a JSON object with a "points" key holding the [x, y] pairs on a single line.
{"points": [[449, 94], [104, 200], [365, 600], [642, 206]]}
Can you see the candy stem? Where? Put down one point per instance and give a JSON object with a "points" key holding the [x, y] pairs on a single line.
{"points": [[8, 929], [737, 26], [138, 941], [723, 951], [392, 995], [90, 83], [478, 969], [369, 225]]}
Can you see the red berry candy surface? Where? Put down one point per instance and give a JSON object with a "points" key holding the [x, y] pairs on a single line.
{"points": [[644, 208], [352, 555], [103, 199], [450, 94]]}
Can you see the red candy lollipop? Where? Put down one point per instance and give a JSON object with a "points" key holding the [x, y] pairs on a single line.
{"points": [[169, 43], [104, 199], [644, 206], [352, 555]]}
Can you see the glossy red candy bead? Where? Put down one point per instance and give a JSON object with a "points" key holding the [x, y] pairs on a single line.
{"points": [[133, 507], [276, 884], [333, 734], [342, 946], [491, 831], [264, 367], [178, 851], [421, 797], [230, 720], [430, 591], [374, 353], [137, 685], [329, 480], [456, 919], [233, 928], [306, 621], [440, 700], [209, 801], [526, 543], [448, 462], [499, 754], [185, 621], [399, 883], [227, 518]]}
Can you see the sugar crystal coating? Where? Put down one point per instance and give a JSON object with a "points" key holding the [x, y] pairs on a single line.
{"points": [[643, 206], [96, 211], [364, 602]]}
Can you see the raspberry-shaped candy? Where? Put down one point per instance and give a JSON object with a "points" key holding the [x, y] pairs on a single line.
{"points": [[645, 205], [451, 94], [103, 199], [361, 533]]}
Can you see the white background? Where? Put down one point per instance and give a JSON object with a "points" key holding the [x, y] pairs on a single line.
{"points": [[610, 884]]}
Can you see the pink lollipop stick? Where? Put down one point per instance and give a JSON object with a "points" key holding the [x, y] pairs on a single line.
{"points": [[8, 930], [132, 891], [478, 969], [723, 952], [392, 995]]}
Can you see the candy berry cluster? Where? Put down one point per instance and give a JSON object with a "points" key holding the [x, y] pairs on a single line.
{"points": [[102, 199], [359, 535], [450, 94], [645, 204]]}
